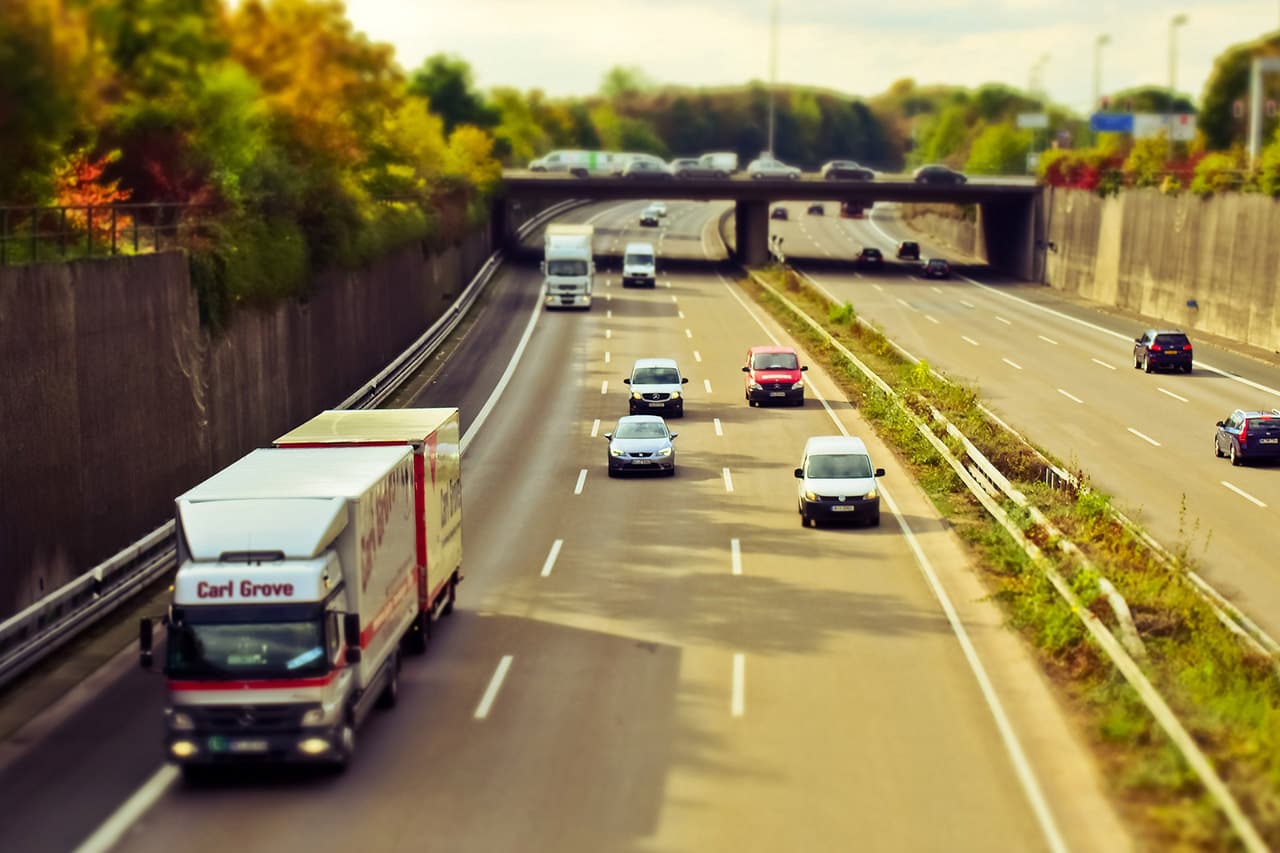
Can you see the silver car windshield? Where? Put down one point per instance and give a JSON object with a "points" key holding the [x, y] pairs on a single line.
{"points": [[648, 429], [839, 466], [655, 376]]}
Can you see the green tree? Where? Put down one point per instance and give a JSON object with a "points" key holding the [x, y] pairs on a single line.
{"points": [[1220, 171], [1229, 83], [1269, 168], [446, 82], [1000, 149], [1150, 99], [622, 81], [944, 136]]}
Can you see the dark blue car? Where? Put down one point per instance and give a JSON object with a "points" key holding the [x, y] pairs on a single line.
{"points": [[1246, 436]]}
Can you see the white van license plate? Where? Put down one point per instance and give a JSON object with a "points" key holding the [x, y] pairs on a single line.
{"points": [[844, 509]]}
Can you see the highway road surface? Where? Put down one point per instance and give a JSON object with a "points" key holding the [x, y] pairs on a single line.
{"points": [[635, 664]]}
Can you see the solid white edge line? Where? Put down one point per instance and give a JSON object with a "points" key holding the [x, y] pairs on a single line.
{"points": [[706, 383], [1148, 439], [1103, 363], [719, 429], [595, 428], [728, 480], [1242, 493], [738, 701], [1173, 395], [1064, 392], [1012, 364], [491, 692], [108, 835], [735, 555], [550, 562], [504, 381]]}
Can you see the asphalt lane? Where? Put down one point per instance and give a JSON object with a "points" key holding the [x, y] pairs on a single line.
{"points": [[1062, 374], [651, 664]]}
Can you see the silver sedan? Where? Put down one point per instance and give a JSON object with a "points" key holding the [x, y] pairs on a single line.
{"points": [[641, 443], [766, 167]]}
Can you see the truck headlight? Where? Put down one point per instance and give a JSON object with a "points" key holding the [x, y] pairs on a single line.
{"points": [[314, 717], [180, 721], [664, 452]]}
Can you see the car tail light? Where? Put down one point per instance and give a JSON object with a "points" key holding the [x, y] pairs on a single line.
{"points": [[1244, 432], [1155, 348], [1186, 347]]}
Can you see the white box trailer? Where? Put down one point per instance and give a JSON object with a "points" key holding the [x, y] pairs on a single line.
{"points": [[297, 584], [568, 265], [435, 437]]}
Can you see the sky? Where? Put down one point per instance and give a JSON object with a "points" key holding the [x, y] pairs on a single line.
{"points": [[564, 47]]}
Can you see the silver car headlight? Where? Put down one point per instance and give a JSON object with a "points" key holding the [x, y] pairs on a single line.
{"points": [[798, 385], [613, 451], [664, 452]]}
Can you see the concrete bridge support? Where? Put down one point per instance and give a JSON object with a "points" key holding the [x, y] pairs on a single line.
{"points": [[1013, 235], [751, 230]]}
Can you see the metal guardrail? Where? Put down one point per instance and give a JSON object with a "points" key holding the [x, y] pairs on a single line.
{"points": [[34, 633], [1113, 647]]}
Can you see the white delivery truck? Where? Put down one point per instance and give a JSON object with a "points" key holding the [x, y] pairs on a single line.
{"points": [[639, 265], [580, 164], [568, 266], [297, 587], [435, 437]]}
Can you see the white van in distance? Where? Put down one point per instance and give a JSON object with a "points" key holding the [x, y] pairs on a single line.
{"points": [[639, 265]]}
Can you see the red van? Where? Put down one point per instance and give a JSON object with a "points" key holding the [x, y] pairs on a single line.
{"points": [[773, 376]]}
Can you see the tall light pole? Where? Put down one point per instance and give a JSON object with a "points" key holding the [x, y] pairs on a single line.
{"points": [[1174, 22], [773, 66], [1098, 44]]}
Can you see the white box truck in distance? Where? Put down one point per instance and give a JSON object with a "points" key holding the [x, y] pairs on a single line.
{"points": [[568, 266], [297, 587]]}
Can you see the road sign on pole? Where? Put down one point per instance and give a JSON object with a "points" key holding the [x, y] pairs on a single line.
{"points": [[1111, 122], [1033, 121]]}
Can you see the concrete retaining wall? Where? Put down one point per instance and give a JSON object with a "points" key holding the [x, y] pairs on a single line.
{"points": [[115, 399], [944, 224]]}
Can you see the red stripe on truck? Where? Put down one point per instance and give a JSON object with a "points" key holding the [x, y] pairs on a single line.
{"points": [[259, 684]]}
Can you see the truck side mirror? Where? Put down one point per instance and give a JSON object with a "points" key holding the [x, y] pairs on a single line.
{"points": [[144, 643], [351, 631]]}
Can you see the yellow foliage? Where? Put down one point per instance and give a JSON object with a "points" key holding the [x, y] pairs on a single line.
{"points": [[470, 157]]}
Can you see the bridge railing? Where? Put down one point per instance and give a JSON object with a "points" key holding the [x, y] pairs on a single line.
{"points": [[30, 234]]}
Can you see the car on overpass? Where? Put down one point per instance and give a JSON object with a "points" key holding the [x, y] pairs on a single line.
{"points": [[936, 173], [846, 170], [1248, 435], [937, 268], [639, 168], [641, 443], [692, 167], [1157, 349], [766, 167]]}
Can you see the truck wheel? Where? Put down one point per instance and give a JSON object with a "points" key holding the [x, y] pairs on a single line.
{"points": [[391, 693], [453, 596], [415, 642], [346, 748]]}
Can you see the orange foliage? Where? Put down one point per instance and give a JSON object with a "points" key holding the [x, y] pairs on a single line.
{"points": [[79, 185]]}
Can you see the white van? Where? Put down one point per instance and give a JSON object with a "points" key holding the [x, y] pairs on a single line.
{"points": [[725, 161], [639, 265], [578, 163], [837, 482]]}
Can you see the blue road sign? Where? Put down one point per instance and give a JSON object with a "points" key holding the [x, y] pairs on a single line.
{"points": [[1111, 122]]}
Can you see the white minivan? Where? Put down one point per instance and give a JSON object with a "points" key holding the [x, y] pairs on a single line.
{"points": [[837, 482], [639, 265]]}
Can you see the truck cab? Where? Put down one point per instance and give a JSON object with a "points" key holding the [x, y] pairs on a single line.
{"points": [[568, 266]]}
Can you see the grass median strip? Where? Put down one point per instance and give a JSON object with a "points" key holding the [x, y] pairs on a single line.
{"points": [[1222, 691]]}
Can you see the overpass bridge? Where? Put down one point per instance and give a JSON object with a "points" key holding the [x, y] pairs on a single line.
{"points": [[1010, 211]]}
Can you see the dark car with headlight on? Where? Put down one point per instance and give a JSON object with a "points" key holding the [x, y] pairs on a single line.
{"points": [[641, 443]]}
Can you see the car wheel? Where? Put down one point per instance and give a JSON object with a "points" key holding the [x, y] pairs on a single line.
{"points": [[1186, 369], [793, 177], [612, 473], [1217, 448], [804, 517], [721, 175], [1146, 364], [1137, 362], [1235, 457], [672, 472], [800, 402], [874, 521]]}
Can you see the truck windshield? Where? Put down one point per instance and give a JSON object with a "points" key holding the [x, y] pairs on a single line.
{"points": [[576, 268], [228, 643]]}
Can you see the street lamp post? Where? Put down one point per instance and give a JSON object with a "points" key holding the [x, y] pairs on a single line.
{"points": [[1100, 42], [773, 67], [1174, 22]]}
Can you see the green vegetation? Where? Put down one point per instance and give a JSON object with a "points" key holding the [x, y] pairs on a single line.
{"points": [[1227, 697], [296, 142]]}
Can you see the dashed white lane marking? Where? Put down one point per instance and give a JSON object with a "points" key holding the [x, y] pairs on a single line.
{"points": [[932, 319], [936, 289], [609, 314], [1003, 320], [907, 305], [1103, 363], [667, 284], [582, 481], [1047, 340], [1242, 493], [719, 429], [608, 297], [1069, 395], [495, 684], [878, 287], [706, 383], [697, 356], [550, 562], [604, 386], [608, 357], [1012, 364], [1173, 395], [1148, 439], [728, 480], [608, 334], [109, 834], [735, 556], [673, 298], [738, 700], [969, 340], [608, 282], [966, 304], [688, 333], [680, 314], [595, 428]]}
